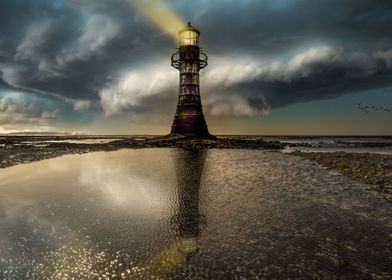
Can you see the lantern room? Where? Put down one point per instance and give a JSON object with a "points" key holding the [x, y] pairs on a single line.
{"points": [[189, 36]]}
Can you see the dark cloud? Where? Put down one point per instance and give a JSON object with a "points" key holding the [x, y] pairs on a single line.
{"points": [[272, 27], [318, 79], [72, 49], [102, 53]]}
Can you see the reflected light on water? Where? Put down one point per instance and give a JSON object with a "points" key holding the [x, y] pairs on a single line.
{"points": [[118, 184], [174, 214]]}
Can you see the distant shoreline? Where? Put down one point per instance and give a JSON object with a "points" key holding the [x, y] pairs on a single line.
{"points": [[371, 169], [24, 149]]}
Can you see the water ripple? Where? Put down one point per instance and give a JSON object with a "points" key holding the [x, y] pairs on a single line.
{"points": [[174, 214]]}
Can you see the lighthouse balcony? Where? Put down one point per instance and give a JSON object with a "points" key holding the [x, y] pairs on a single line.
{"points": [[177, 61]]}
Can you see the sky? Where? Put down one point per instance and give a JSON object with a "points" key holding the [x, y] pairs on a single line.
{"points": [[277, 67]]}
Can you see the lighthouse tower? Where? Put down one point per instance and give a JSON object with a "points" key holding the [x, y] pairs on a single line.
{"points": [[189, 118]]}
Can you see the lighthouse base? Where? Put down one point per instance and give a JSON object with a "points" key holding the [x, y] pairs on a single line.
{"points": [[192, 136], [191, 126]]}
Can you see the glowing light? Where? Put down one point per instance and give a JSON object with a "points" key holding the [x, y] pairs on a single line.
{"points": [[161, 15], [188, 37]]}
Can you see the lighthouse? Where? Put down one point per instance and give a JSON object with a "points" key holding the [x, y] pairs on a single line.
{"points": [[189, 119]]}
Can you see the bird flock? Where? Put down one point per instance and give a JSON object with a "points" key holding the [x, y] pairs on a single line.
{"points": [[366, 108]]}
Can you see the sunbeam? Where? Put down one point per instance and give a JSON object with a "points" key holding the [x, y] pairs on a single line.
{"points": [[161, 15]]}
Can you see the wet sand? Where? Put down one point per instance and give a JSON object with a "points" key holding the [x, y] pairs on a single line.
{"points": [[369, 168]]}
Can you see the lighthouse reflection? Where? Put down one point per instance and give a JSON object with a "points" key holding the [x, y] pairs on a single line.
{"points": [[188, 221]]}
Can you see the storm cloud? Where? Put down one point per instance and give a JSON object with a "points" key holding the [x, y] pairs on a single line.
{"points": [[104, 57]]}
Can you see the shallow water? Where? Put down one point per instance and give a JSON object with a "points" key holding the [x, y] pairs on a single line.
{"points": [[174, 214], [73, 141]]}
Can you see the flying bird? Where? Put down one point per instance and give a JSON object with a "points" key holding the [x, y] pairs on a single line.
{"points": [[368, 108]]}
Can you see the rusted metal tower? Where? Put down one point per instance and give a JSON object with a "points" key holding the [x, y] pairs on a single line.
{"points": [[189, 118]]}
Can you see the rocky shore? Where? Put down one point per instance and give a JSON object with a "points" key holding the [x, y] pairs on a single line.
{"points": [[24, 149], [372, 169]]}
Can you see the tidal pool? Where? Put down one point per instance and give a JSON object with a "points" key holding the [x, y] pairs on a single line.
{"points": [[176, 214]]}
